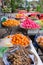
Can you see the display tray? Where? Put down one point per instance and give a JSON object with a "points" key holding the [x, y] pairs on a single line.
{"points": [[28, 28], [10, 23], [9, 26], [7, 40], [18, 18], [26, 54]]}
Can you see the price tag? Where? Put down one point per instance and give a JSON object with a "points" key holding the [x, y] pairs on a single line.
{"points": [[32, 32]]}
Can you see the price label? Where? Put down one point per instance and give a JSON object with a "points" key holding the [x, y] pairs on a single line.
{"points": [[33, 32]]}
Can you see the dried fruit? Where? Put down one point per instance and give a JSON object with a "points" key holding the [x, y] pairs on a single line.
{"points": [[19, 39], [29, 24], [11, 22], [40, 40]]}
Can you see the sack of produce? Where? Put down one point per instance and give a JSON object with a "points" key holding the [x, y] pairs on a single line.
{"points": [[19, 56]]}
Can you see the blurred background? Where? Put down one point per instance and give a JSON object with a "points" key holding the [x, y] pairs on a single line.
{"points": [[15, 5]]}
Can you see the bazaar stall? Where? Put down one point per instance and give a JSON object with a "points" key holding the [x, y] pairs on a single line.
{"points": [[24, 34]]}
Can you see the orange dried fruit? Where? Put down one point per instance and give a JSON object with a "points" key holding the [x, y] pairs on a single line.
{"points": [[20, 39], [11, 22]]}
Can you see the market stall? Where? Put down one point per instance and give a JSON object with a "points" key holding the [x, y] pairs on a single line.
{"points": [[21, 36]]}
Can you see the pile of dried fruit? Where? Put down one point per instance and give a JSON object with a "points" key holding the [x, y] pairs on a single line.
{"points": [[29, 24], [20, 57], [11, 22], [20, 39], [21, 16], [40, 40]]}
